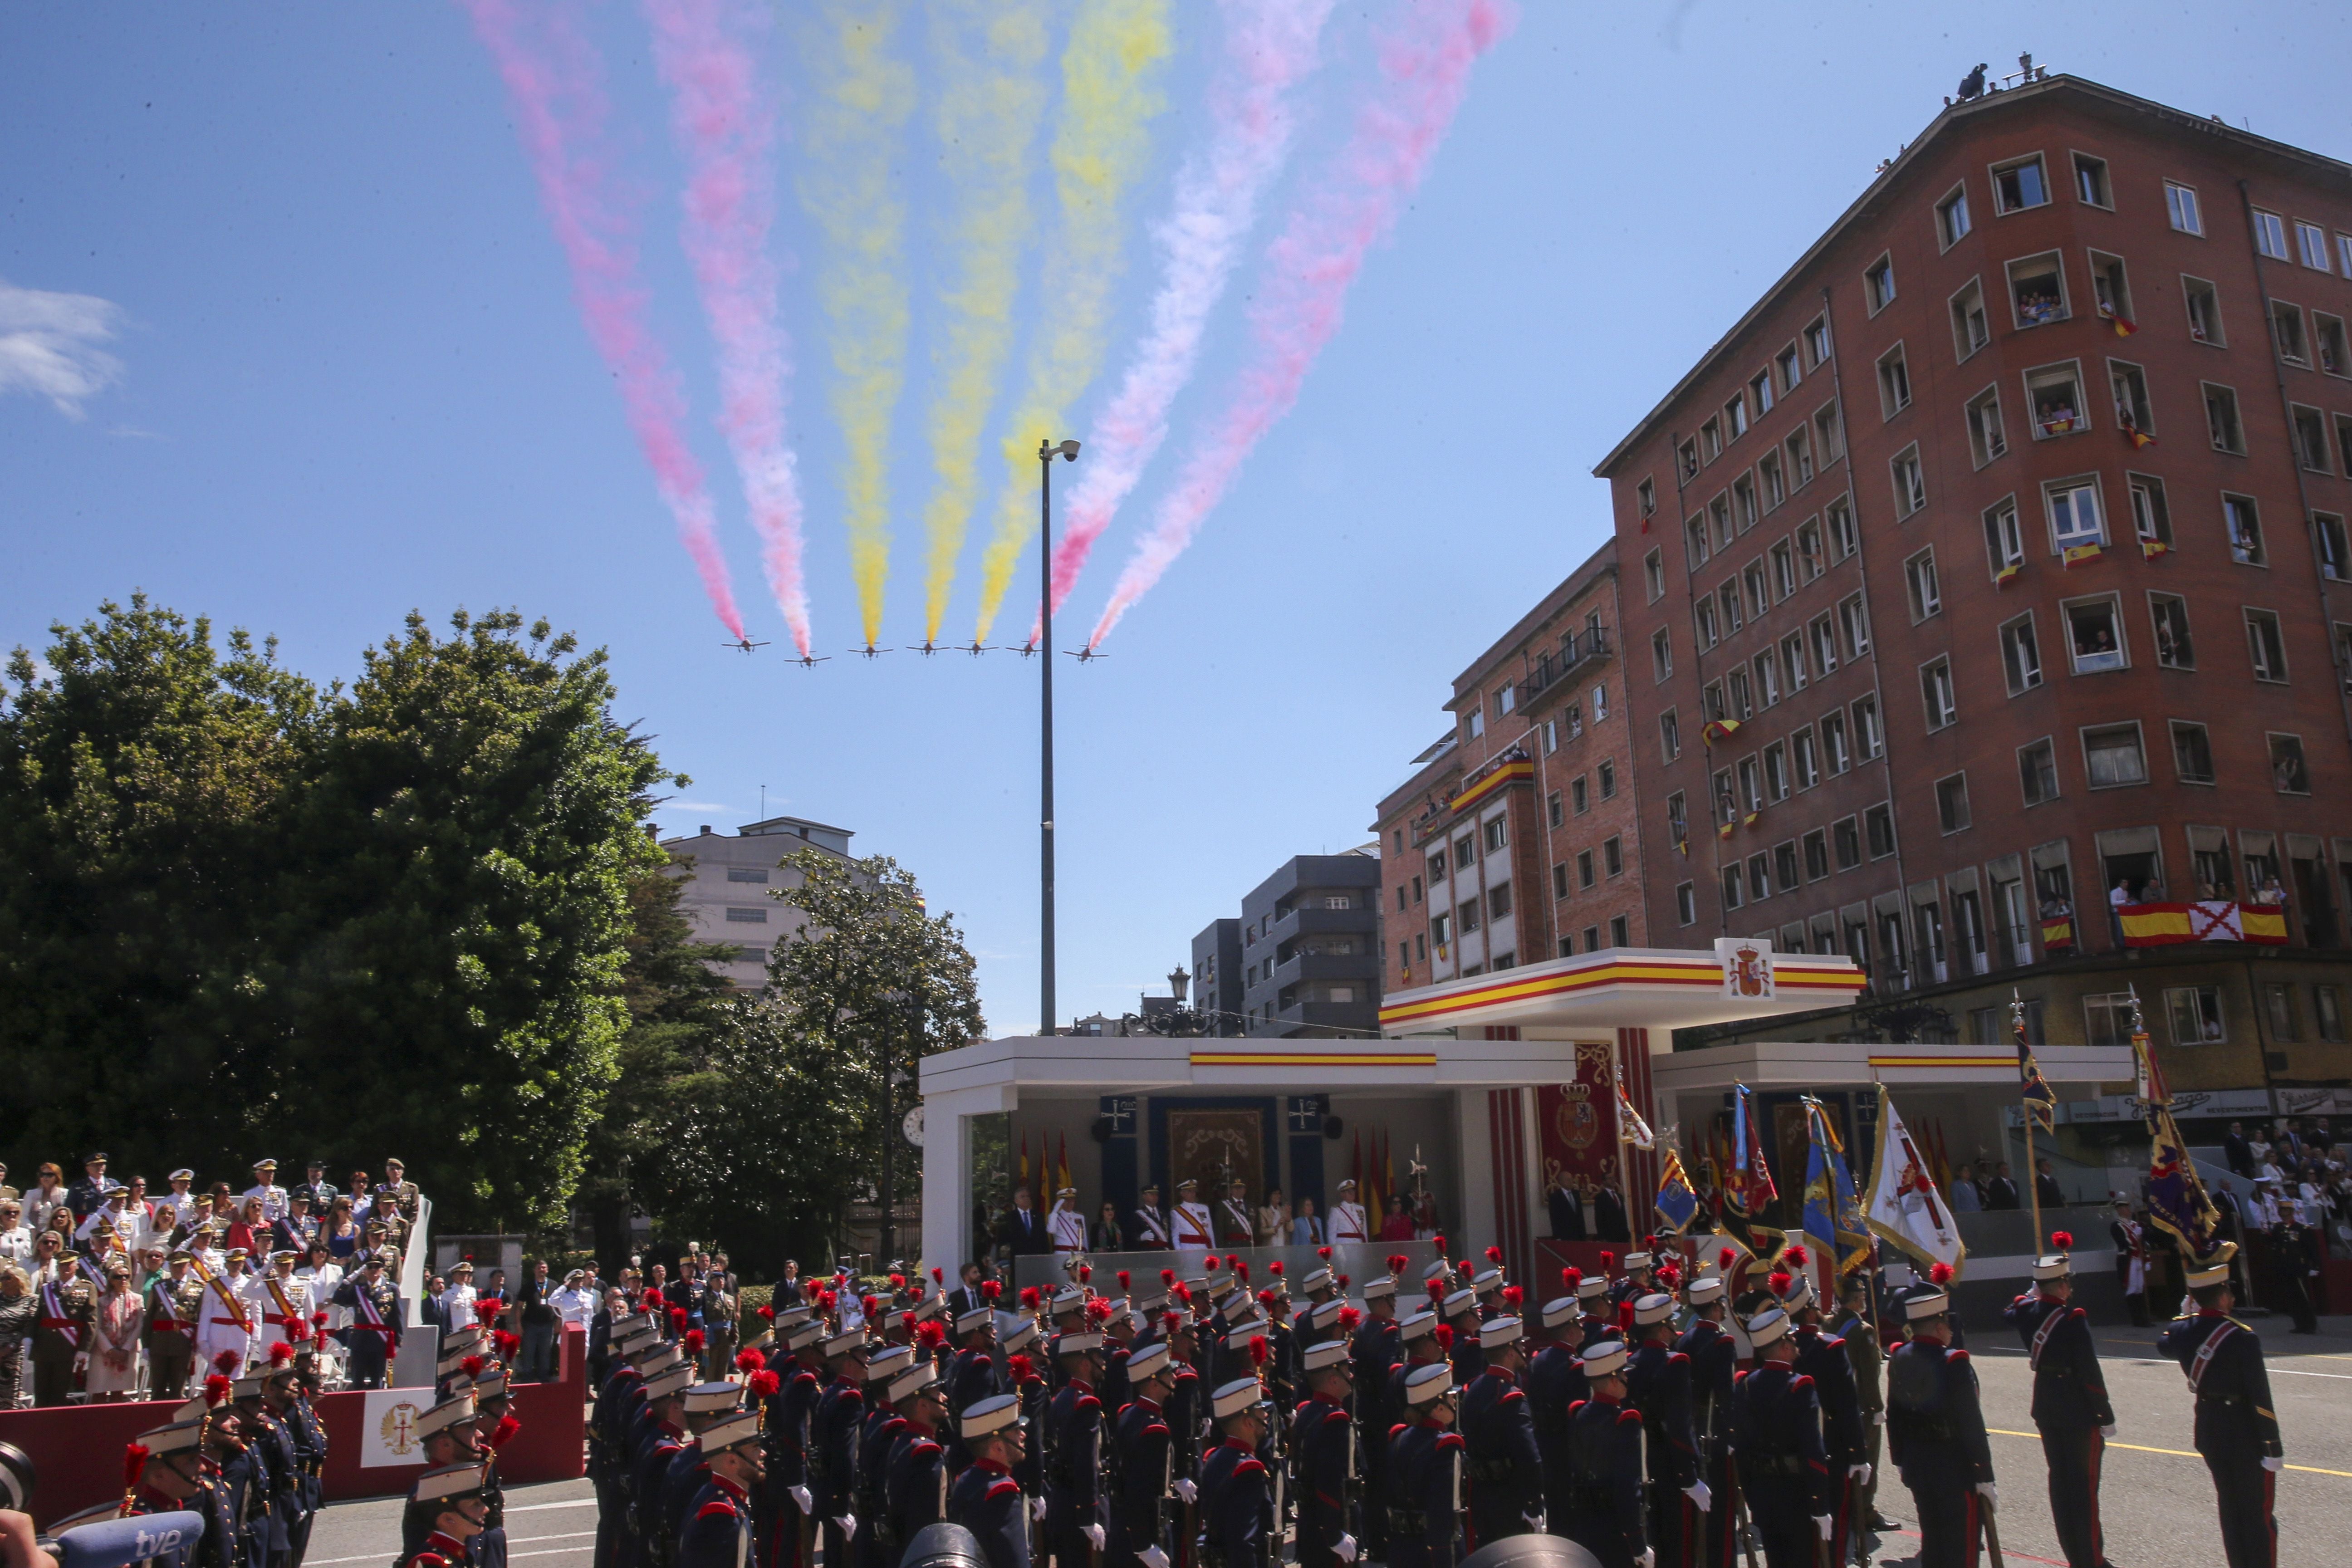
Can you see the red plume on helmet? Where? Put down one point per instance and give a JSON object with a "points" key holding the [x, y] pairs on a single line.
{"points": [[1123, 1285], [2062, 1240], [218, 1386], [509, 1425], [472, 1366], [281, 1354], [1214, 1263], [1463, 1269], [134, 1461], [749, 1360], [1324, 1253], [1780, 1283], [867, 1305], [1020, 1368], [1030, 1297], [1098, 1311], [1343, 1282], [1396, 1261], [1607, 1260], [990, 1290], [1086, 1273], [1940, 1274], [1443, 1335], [1513, 1296], [1438, 1242], [677, 1318], [897, 1281], [1349, 1318], [318, 1319], [1669, 1276], [1275, 1268], [227, 1362], [691, 1342], [938, 1279], [1185, 1294], [764, 1384], [1794, 1257], [931, 1335], [1168, 1276], [907, 1321], [1723, 1259], [1259, 1350], [1170, 1322], [1495, 1255], [1267, 1297], [828, 1299], [1241, 1269], [766, 1312]]}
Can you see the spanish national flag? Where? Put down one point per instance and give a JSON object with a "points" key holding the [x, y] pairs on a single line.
{"points": [[1749, 820], [2001, 578], [2151, 549], [2124, 325], [2082, 554], [2262, 923], [1720, 729], [2058, 934], [1725, 831]]}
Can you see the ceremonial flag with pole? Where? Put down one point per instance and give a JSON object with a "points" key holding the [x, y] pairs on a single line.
{"points": [[1748, 1186], [1904, 1209], [1677, 1201], [1631, 1128], [2177, 1201], [2041, 1100], [1832, 1212]]}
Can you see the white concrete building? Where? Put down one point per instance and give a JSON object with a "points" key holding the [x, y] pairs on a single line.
{"points": [[729, 878]]}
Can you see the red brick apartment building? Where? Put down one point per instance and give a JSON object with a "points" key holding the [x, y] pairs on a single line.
{"points": [[1518, 839], [1998, 554]]}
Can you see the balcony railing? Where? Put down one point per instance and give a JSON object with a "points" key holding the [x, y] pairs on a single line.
{"points": [[1584, 648]]}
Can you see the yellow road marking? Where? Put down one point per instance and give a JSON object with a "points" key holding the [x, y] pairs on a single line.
{"points": [[2176, 1453]]}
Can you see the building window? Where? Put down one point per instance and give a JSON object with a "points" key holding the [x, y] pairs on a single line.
{"points": [[1465, 853], [1776, 772], [2019, 185], [1799, 448], [1759, 391], [1843, 540], [2287, 333], [2328, 333], [1878, 824], [1735, 418], [1792, 661], [1654, 573], [1441, 930], [747, 917], [1734, 888], [1662, 654], [1893, 383], [1498, 902], [1670, 734], [2094, 636], [1742, 706], [1952, 803], [1600, 703], [2327, 1012], [2091, 181], [1806, 758], [1559, 880], [1495, 840], [1553, 813], [1846, 833], [2310, 439], [2037, 290], [1505, 700], [1751, 785], [2133, 414], [2222, 423], [1686, 903], [2053, 397], [1613, 856], [2278, 1001], [1817, 340], [1829, 433], [1436, 863], [747, 873], [2195, 1015], [1925, 591], [2327, 531], [1703, 626], [2288, 774], [2203, 302], [1759, 599], [2266, 645], [2270, 234], [2073, 514], [1834, 743], [2180, 206], [1854, 623], [1809, 547], [1607, 774], [2192, 752], [1784, 570], [2112, 756], [1584, 868], [1466, 914], [1678, 823], [1910, 483], [2037, 772], [1987, 439], [1710, 436], [2170, 613], [1817, 855], [1768, 678], [1878, 284], [2111, 289], [2151, 517], [2020, 655], [1476, 722], [1551, 736], [1759, 879], [1952, 217], [1694, 542], [1970, 331], [2005, 540], [1935, 693]]}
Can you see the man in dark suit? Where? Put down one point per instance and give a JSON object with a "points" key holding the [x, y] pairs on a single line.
{"points": [[1023, 1232], [1609, 1217], [2239, 1151], [2001, 1193], [966, 1297], [1566, 1212], [2046, 1187]]}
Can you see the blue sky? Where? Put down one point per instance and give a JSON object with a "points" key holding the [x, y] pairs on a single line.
{"points": [[342, 375]]}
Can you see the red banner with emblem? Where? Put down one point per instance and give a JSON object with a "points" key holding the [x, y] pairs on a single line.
{"points": [[1577, 1125]]}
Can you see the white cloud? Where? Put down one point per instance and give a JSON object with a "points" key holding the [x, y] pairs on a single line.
{"points": [[48, 345]]}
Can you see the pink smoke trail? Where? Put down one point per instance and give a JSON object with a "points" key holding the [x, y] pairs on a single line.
{"points": [[1309, 268], [725, 120], [556, 80], [1270, 47]]}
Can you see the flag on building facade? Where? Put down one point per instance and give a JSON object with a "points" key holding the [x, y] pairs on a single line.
{"points": [[2081, 555], [1904, 1209]]}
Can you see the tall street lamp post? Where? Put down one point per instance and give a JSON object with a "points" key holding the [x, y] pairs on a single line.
{"points": [[1069, 451]]}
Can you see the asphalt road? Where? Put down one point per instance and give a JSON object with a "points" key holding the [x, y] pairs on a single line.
{"points": [[2157, 1502]]}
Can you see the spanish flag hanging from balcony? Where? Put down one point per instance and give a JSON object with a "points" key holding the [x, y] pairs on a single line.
{"points": [[2124, 325], [1749, 820], [2132, 432], [1719, 729], [2150, 548], [2058, 933], [2001, 578], [1725, 831], [2082, 554]]}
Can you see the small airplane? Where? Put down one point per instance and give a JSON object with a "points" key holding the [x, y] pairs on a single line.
{"points": [[743, 644], [810, 661], [927, 649], [1027, 651], [976, 649], [1084, 654], [869, 651]]}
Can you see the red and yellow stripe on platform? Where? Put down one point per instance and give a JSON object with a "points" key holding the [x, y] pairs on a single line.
{"points": [[1509, 773], [1314, 1059], [1698, 973]]}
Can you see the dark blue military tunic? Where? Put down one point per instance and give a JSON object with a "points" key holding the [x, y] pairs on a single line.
{"points": [[1606, 1515], [1936, 1436], [1776, 1431], [987, 1500], [2070, 1406], [1425, 1485], [2237, 1428], [1322, 1459], [1146, 1475], [1506, 1471], [717, 1532], [1236, 1497]]}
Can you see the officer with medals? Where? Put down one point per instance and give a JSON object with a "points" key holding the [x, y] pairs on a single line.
{"points": [[1323, 1458], [1425, 1478], [2236, 1425], [1823, 1358], [1074, 1531], [1936, 1429], [1714, 1363], [444, 1513], [1237, 1500], [914, 1472], [986, 1499], [2070, 1408], [373, 1335], [1498, 1430], [1606, 1514], [1556, 1385], [1658, 1384], [717, 1533], [1776, 1432]]}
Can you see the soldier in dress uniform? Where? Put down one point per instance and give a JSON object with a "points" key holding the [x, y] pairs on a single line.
{"points": [[1425, 1479], [1606, 1514], [1236, 1221], [1776, 1431], [174, 1299], [879, 1427], [289, 1395], [1852, 1324], [265, 1187], [784, 1504], [1635, 1282], [1282, 1365], [1032, 1392], [659, 1436], [1145, 1470], [986, 1499], [676, 1485], [1599, 1313], [1714, 1363], [1238, 1500], [1556, 1383], [1188, 1424], [1375, 1349], [1323, 1458], [1460, 1312], [2236, 1425], [1506, 1471], [1075, 1531], [915, 1471], [1195, 1230], [1823, 1358], [372, 1336], [1148, 1224], [2070, 1408], [717, 1533], [1658, 1384], [974, 1375], [444, 1513], [633, 1337], [170, 1476], [1936, 1430], [1350, 1227], [833, 1442]]}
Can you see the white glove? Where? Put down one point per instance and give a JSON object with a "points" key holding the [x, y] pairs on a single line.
{"points": [[1037, 1508], [1701, 1498], [848, 1522], [2272, 1461], [1985, 1490], [803, 1501], [1649, 1558], [1821, 1523], [1094, 1535], [2108, 1430], [1153, 1557], [1345, 1548], [1861, 1474], [1878, 1418], [1186, 1489]]}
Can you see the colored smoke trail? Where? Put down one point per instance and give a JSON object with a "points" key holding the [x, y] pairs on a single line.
{"points": [[556, 80], [1426, 71], [860, 98], [990, 101], [1100, 146], [725, 121], [1270, 47]]}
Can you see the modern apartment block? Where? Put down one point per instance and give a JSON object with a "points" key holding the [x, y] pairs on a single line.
{"points": [[1217, 975], [1517, 839], [1308, 953], [728, 877], [1996, 559]]}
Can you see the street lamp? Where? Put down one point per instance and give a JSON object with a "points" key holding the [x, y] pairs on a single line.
{"points": [[1045, 453]]}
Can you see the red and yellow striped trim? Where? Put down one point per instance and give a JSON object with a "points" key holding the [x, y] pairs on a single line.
{"points": [[1696, 973], [1509, 773], [1315, 1058]]}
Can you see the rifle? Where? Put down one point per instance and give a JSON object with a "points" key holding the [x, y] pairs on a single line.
{"points": [[1991, 1532], [1743, 1532], [1280, 1472]]}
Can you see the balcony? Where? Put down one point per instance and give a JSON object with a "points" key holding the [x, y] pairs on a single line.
{"points": [[1580, 652], [1364, 968], [1313, 922]]}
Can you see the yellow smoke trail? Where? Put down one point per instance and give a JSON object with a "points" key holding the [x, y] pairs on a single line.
{"points": [[858, 99], [992, 96], [1109, 95]]}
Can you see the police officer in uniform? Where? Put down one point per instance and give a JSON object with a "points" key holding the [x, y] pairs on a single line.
{"points": [[1237, 1499], [1498, 1430], [1714, 1363], [1606, 1512], [1075, 1531], [1555, 1383], [1658, 1384], [1323, 1458], [717, 1533], [2236, 1425], [986, 1499], [1146, 1469], [2070, 1408], [1776, 1431], [1936, 1430]]}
